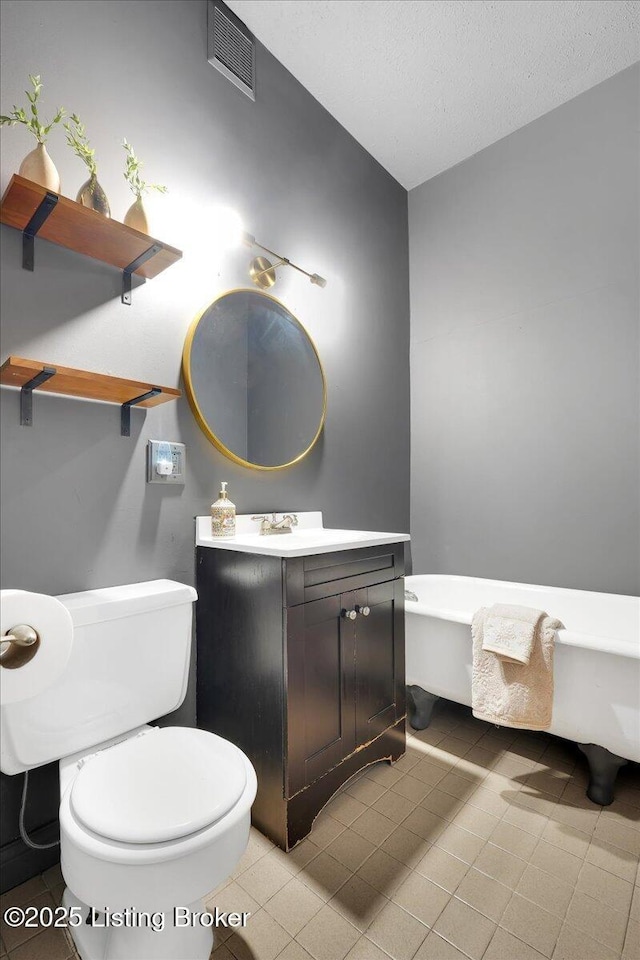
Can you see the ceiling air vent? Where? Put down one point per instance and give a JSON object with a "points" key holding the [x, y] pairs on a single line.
{"points": [[231, 48]]}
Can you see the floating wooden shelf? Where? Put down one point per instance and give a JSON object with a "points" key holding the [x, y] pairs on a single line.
{"points": [[32, 374], [33, 209]]}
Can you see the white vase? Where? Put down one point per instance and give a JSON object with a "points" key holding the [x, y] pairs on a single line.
{"points": [[136, 217], [40, 168]]}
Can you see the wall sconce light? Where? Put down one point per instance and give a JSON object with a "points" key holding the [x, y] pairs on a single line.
{"points": [[263, 271]]}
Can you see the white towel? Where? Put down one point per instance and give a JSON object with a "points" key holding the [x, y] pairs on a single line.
{"points": [[514, 694], [510, 630]]}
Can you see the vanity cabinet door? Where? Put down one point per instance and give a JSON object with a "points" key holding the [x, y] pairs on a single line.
{"points": [[320, 688], [380, 691]]}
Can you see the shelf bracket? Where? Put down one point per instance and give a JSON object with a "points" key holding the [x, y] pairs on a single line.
{"points": [[125, 410], [132, 267], [43, 210], [26, 394]]}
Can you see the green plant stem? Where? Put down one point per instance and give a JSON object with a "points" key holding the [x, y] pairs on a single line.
{"points": [[40, 129], [79, 143], [137, 185]]}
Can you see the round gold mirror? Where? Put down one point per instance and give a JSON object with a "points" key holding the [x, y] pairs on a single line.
{"points": [[254, 380]]}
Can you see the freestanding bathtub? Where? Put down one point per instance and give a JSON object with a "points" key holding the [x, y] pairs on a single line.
{"points": [[596, 667]]}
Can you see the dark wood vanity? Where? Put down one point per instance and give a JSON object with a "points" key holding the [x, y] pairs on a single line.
{"points": [[301, 664]]}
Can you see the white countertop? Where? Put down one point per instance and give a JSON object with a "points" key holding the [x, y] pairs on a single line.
{"points": [[308, 537]]}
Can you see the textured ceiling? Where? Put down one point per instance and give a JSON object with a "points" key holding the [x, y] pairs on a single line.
{"points": [[423, 84]]}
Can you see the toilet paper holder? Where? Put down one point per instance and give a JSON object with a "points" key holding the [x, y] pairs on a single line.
{"points": [[18, 646]]}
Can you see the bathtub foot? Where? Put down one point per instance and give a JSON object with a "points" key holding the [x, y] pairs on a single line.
{"points": [[603, 770], [422, 704]]}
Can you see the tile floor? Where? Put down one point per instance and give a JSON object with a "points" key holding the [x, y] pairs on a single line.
{"points": [[478, 844]]}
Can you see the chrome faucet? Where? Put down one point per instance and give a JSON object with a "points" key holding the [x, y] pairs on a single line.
{"points": [[271, 525]]}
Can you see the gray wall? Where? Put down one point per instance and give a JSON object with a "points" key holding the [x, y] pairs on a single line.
{"points": [[524, 353], [76, 512]]}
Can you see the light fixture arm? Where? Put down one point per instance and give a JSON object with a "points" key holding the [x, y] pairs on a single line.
{"points": [[251, 241]]}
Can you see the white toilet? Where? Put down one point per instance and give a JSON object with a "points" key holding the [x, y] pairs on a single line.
{"points": [[151, 818]]}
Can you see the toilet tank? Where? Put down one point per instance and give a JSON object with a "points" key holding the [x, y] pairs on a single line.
{"points": [[129, 665]]}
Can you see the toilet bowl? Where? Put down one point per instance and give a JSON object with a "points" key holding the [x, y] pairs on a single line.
{"points": [[173, 803], [149, 824], [151, 818]]}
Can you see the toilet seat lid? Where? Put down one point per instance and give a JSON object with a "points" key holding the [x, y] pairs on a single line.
{"points": [[158, 786]]}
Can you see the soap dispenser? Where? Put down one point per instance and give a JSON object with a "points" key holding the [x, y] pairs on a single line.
{"points": [[223, 515]]}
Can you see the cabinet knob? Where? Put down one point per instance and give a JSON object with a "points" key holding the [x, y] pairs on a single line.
{"points": [[365, 611], [349, 614]]}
